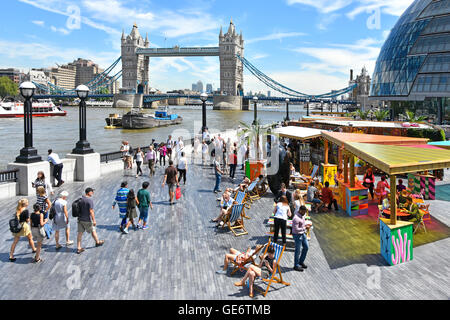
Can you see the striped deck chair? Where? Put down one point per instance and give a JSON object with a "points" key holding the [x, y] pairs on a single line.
{"points": [[235, 218], [314, 172], [241, 198], [252, 191], [274, 279], [244, 265]]}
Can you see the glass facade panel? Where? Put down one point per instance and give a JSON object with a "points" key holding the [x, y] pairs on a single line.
{"points": [[430, 44], [441, 24], [436, 8], [432, 83], [417, 49], [395, 71]]}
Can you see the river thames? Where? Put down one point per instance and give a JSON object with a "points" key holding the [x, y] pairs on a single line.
{"points": [[61, 133]]}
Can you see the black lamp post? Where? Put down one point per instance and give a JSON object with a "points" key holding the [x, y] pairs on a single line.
{"points": [[28, 154], [82, 146], [307, 108], [204, 97], [287, 110], [255, 110]]}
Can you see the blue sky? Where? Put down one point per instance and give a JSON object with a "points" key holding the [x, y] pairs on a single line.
{"points": [[308, 45]]}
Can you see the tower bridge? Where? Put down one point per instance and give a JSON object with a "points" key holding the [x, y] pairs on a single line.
{"points": [[135, 73]]}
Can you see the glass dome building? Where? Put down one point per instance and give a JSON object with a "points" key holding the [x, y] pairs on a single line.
{"points": [[414, 62]]}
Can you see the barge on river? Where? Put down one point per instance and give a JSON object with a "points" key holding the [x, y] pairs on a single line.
{"points": [[139, 120]]}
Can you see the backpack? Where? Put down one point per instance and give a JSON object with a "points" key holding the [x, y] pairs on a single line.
{"points": [[76, 208], [14, 225], [52, 213]]}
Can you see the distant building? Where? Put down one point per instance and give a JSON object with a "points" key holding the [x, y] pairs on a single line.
{"points": [[86, 70], [209, 88], [194, 87], [360, 94], [63, 76], [200, 86], [268, 94], [13, 74]]}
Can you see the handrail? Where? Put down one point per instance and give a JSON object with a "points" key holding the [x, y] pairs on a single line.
{"points": [[8, 176]]}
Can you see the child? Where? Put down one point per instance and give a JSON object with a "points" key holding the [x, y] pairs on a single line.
{"points": [[37, 229], [132, 203]]}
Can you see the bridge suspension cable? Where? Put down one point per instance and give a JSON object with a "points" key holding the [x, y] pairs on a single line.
{"points": [[288, 91]]}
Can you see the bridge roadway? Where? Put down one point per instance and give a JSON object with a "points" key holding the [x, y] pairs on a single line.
{"points": [[158, 97], [176, 258]]}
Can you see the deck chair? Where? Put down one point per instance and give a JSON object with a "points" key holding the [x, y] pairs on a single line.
{"points": [[425, 209], [252, 192], [244, 265], [274, 279], [241, 198], [314, 172], [235, 218]]}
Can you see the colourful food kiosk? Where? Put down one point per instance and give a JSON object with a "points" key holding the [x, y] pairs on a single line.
{"points": [[351, 195], [396, 237]]}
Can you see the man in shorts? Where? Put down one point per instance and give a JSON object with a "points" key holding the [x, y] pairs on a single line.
{"points": [[86, 220], [171, 177]]}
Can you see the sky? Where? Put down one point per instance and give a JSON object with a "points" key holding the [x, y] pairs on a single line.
{"points": [[307, 45]]}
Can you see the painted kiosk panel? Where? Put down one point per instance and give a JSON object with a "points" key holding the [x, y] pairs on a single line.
{"points": [[396, 241]]}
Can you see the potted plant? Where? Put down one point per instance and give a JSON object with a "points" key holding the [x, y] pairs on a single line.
{"points": [[253, 133]]}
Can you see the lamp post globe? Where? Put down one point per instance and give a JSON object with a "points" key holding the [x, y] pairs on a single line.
{"points": [[204, 98], [287, 109], [255, 110], [28, 154], [27, 89], [82, 146]]}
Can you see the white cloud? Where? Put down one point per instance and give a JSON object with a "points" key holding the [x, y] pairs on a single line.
{"points": [[340, 58], [276, 36], [60, 30], [38, 23], [391, 7]]}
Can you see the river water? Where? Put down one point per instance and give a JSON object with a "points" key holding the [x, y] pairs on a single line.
{"points": [[61, 133]]}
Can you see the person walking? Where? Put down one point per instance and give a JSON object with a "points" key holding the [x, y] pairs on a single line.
{"points": [[86, 220], [23, 216], [44, 202], [169, 146], [61, 219], [233, 163], [145, 202], [205, 149], [218, 172], [179, 148], [182, 167], [369, 181], [281, 213], [127, 160], [37, 229], [171, 177], [151, 159], [41, 182], [132, 203], [121, 201], [299, 229], [54, 159], [162, 154], [139, 157]]}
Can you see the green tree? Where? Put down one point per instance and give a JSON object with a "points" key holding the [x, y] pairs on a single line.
{"points": [[411, 117], [381, 114], [251, 132], [362, 114], [8, 87]]}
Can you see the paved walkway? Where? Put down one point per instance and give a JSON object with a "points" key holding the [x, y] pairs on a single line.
{"points": [[176, 258]]}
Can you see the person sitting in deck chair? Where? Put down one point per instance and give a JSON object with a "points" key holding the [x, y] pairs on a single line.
{"points": [[263, 270], [262, 185], [238, 257], [225, 207]]}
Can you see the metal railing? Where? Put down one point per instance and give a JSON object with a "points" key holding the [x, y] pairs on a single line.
{"points": [[8, 176], [116, 155]]}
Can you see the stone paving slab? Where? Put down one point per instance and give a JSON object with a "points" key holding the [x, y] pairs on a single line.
{"points": [[176, 258]]}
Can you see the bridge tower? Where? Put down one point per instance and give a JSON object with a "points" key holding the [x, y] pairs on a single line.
{"points": [[231, 68], [135, 75]]}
